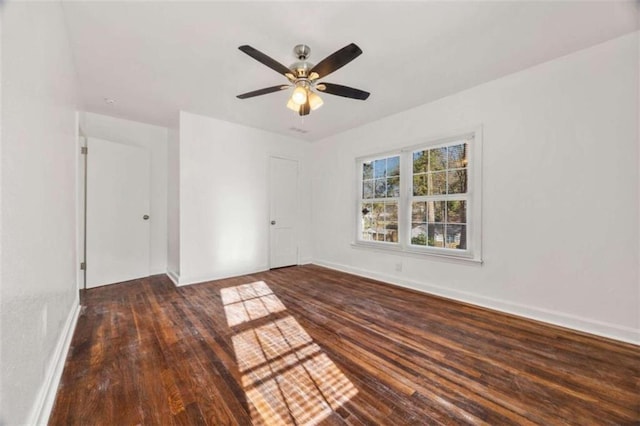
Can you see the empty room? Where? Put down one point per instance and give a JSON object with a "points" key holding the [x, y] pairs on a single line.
{"points": [[319, 212]]}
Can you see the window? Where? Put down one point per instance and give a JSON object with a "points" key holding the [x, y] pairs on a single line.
{"points": [[379, 197], [423, 199]]}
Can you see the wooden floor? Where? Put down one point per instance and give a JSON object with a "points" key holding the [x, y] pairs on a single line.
{"points": [[306, 345]]}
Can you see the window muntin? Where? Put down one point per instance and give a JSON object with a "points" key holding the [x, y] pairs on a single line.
{"points": [[379, 199], [439, 197]]}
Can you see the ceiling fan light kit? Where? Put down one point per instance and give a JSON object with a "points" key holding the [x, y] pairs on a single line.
{"points": [[303, 76]]}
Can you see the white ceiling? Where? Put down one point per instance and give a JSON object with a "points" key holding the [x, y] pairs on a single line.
{"points": [[156, 58]]}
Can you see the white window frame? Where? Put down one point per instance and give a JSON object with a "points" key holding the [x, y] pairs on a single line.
{"points": [[473, 198]]}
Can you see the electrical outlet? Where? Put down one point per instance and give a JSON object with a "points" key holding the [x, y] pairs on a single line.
{"points": [[399, 267]]}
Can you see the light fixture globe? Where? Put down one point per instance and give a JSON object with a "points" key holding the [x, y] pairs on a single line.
{"points": [[293, 106], [315, 101], [299, 95]]}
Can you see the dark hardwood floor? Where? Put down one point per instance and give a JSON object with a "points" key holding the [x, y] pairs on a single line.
{"points": [[307, 345]]}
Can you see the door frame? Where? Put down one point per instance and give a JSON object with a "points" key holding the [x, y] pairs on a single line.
{"points": [[81, 208], [269, 199]]}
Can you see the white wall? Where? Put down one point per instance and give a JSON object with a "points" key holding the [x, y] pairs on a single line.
{"points": [[638, 122], [560, 188], [154, 140], [224, 215], [173, 204], [38, 296]]}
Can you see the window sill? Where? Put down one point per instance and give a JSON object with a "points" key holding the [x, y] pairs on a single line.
{"points": [[399, 250]]}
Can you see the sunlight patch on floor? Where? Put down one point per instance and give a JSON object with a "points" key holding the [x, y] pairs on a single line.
{"points": [[249, 302], [288, 379]]}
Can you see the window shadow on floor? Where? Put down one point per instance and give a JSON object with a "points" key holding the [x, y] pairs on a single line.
{"points": [[287, 378]]}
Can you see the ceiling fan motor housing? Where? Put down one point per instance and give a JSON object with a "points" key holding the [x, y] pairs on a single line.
{"points": [[302, 51], [302, 67]]}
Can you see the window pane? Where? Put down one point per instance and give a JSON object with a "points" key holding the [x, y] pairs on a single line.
{"points": [[391, 211], [381, 188], [391, 222], [420, 162], [456, 237], [435, 235], [380, 167], [393, 166], [419, 184], [419, 212], [456, 211], [378, 210], [367, 170], [419, 234], [457, 181], [437, 159], [367, 189], [436, 183], [435, 211], [393, 186], [392, 235], [457, 156]]}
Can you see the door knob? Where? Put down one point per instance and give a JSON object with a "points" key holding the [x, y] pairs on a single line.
{"points": [[145, 217], [273, 222]]}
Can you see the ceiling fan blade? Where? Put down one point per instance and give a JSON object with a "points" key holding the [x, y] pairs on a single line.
{"points": [[305, 108], [266, 60], [344, 91], [262, 91], [335, 61]]}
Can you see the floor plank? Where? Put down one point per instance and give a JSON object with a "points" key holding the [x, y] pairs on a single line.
{"points": [[308, 345]]}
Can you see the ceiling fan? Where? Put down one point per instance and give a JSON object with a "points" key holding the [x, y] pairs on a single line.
{"points": [[303, 76]]}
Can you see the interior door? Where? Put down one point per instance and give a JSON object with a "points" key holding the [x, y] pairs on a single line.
{"points": [[283, 192], [118, 192]]}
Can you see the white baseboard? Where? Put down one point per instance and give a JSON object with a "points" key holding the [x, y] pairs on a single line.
{"points": [[46, 397], [173, 276], [612, 331], [182, 281], [219, 276], [305, 261]]}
